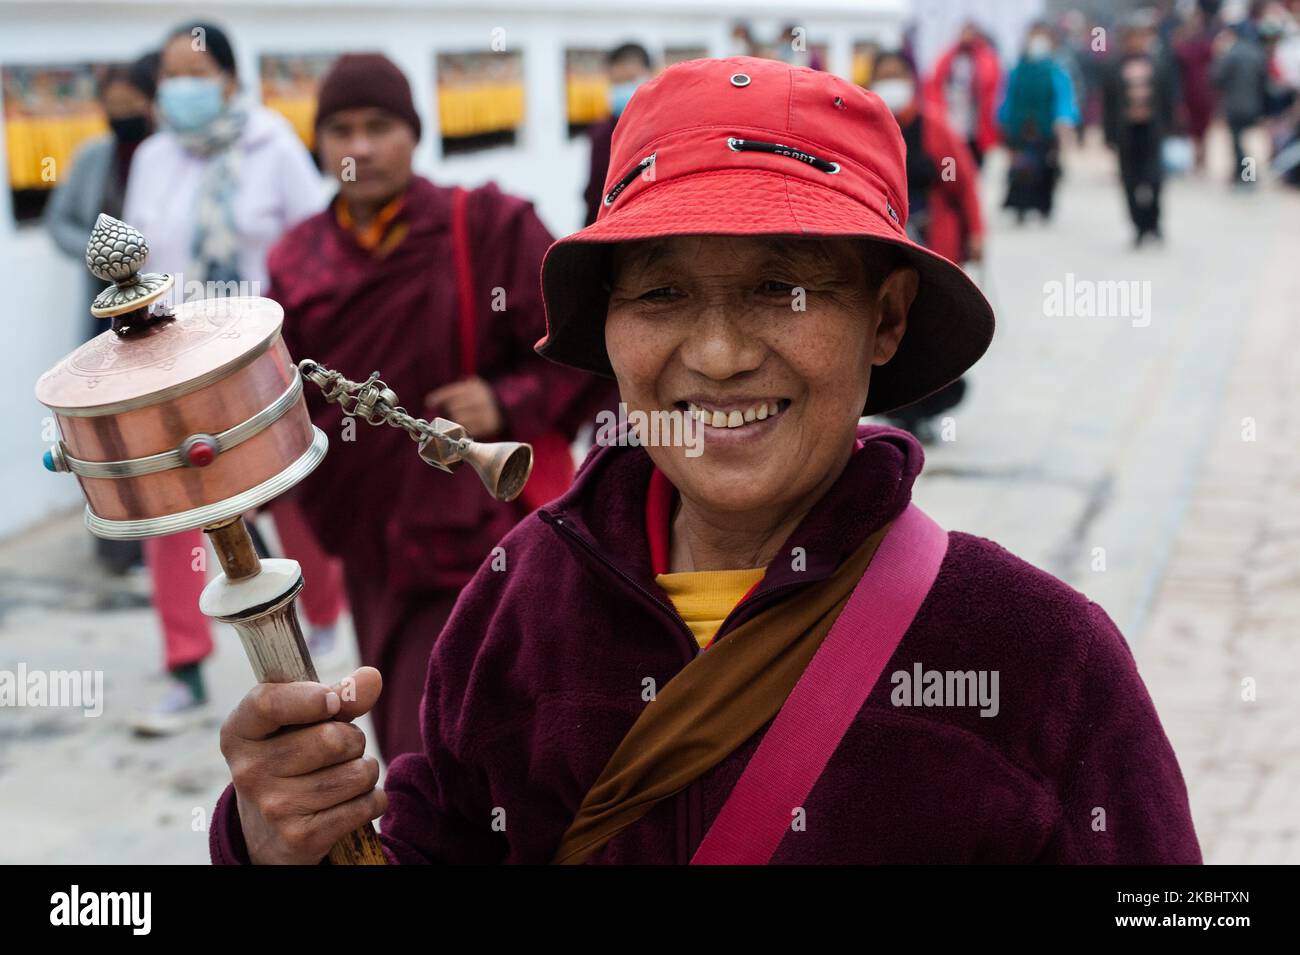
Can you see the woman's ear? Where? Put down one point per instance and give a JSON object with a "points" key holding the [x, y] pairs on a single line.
{"points": [[893, 299]]}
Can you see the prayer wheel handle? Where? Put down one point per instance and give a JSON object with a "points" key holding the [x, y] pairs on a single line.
{"points": [[257, 597]]}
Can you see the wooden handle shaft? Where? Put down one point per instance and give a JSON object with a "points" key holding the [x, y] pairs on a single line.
{"points": [[234, 549], [360, 847], [273, 640]]}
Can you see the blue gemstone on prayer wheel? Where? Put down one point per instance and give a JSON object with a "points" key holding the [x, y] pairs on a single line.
{"points": [[48, 459]]}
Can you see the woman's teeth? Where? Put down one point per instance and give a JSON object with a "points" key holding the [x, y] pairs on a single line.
{"points": [[735, 418]]}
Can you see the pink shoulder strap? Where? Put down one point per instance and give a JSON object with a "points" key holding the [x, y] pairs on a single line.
{"points": [[828, 696]]}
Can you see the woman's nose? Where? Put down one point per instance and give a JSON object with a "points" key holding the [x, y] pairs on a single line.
{"points": [[719, 344]]}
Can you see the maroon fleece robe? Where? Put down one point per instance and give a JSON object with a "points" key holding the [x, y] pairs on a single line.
{"points": [[410, 536], [540, 672]]}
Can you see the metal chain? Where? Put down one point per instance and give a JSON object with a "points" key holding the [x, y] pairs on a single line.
{"points": [[502, 466], [371, 400]]}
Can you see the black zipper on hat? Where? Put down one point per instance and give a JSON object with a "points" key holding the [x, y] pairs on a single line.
{"points": [[626, 181], [757, 146]]}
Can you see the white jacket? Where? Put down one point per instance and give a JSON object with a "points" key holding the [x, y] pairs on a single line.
{"points": [[279, 186]]}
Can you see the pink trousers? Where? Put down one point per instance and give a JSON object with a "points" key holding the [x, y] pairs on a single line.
{"points": [[178, 567]]}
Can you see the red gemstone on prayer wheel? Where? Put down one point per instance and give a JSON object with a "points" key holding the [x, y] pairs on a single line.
{"points": [[201, 454]]}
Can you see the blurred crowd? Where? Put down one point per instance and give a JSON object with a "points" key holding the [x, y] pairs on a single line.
{"points": [[226, 191], [1152, 81]]}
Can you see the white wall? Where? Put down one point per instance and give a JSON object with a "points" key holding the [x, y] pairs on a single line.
{"points": [[43, 290]]}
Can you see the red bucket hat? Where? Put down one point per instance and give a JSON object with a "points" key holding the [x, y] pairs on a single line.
{"points": [[743, 146]]}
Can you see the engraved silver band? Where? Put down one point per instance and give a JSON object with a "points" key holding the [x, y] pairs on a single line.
{"points": [[269, 489], [175, 458]]}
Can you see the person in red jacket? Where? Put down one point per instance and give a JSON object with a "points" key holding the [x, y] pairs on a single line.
{"points": [[943, 211], [603, 697], [943, 204], [964, 89], [370, 283]]}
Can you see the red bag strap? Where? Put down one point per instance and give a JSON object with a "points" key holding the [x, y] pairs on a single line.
{"points": [[828, 696], [468, 322]]}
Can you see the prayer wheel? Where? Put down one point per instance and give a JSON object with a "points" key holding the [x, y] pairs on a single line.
{"points": [[188, 417], [183, 418]]}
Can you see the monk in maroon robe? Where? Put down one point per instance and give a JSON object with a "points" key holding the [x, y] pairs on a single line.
{"points": [[370, 283]]}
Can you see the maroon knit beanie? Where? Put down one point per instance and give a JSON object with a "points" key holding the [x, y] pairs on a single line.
{"points": [[360, 80]]}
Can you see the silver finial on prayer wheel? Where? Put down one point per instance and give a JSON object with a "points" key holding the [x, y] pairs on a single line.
{"points": [[115, 253]]}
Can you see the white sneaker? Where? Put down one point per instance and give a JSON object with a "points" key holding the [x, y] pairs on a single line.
{"points": [[177, 711]]}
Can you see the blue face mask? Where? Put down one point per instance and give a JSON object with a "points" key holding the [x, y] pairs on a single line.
{"points": [[188, 103], [619, 96], [1038, 48]]}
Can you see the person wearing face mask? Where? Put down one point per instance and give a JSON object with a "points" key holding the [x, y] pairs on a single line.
{"points": [[943, 202], [96, 183], [963, 89], [213, 190], [628, 66], [943, 206], [1039, 103], [224, 178]]}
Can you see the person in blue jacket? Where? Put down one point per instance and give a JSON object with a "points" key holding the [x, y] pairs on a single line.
{"points": [[1039, 101]]}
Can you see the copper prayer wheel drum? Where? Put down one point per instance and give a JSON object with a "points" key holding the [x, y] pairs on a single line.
{"points": [[185, 422]]}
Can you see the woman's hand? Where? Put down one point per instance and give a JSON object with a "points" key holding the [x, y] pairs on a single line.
{"points": [[471, 403], [299, 769]]}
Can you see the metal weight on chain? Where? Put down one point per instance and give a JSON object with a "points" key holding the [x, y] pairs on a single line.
{"points": [[503, 466]]}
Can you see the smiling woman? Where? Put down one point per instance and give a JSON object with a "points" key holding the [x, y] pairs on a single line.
{"points": [[684, 658], [728, 327]]}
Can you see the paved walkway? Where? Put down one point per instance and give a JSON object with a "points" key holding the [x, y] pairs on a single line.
{"points": [[1222, 647]]}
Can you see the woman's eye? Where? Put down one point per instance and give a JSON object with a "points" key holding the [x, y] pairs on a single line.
{"points": [[659, 294], [776, 287]]}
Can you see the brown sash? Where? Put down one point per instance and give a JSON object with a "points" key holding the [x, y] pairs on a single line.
{"points": [[718, 701]]}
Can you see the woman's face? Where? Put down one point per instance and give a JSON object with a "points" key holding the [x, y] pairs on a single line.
{"points": [[769, 340], [123, 100], [183, 56]]}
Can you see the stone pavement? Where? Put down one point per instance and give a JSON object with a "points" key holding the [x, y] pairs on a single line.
{"points": [[1105, 449], [1220, 650], [75, 788]]}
